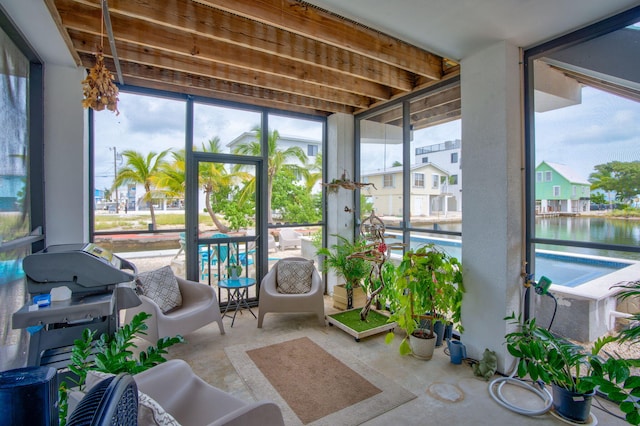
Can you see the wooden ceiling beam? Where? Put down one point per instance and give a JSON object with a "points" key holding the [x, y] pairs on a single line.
{"points": [[179, 87], [176, 81], [222, 53], [161, 59], [429, 102], [307, 20], [438, 120], [199, 26], [432, 115]]}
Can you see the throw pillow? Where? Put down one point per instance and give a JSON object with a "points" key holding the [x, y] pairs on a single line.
{"points": [[161, 286], [150, 413], [294, 276]]}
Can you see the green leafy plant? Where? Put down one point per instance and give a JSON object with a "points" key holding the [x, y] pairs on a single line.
{"points": [[112, 354], [352, 269], [234, 267], [428, 285], [629, 290], [553, 360]]}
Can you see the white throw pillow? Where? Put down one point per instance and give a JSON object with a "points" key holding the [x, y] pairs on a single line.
{"points": [[162, 287], [294, 276]]}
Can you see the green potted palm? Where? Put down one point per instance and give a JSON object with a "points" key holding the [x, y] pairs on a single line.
{"points": [[234, 270], [428, 287], [353, 270], [111, 354], [574, 373]]}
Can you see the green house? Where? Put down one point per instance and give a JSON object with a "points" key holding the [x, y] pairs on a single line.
{"points": [[559, 189]]}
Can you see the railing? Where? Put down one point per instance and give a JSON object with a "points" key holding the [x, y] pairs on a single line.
{"points": [[439, 147]]}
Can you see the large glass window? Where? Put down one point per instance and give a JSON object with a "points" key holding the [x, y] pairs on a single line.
{"points": [[20, 192], [139, 176], [584, 169], [436, 135], [414, 163], [142, 175], [381, 154], [295, 173]]}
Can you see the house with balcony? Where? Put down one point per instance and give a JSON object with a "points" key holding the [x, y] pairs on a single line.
{"points": [[447, 155], [559, 189], [429, 190]]}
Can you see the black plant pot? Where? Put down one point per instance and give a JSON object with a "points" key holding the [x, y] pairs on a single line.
{"points": [[448, 331], [573, 406], [438, 328]]}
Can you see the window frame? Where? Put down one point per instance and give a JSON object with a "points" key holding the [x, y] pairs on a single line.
{"points": [[417, 182], [598, 29], [386, 178]]}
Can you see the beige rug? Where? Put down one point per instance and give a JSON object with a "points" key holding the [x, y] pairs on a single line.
{"points": [[315, 382]]}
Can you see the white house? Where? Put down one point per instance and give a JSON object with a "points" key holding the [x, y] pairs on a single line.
{"points": [[446, 155], [429, 190]]}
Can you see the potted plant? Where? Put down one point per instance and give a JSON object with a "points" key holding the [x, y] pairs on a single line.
{"points": [[573, 372], [234, 270], [111, 354], [352, 269], [428, 286]]}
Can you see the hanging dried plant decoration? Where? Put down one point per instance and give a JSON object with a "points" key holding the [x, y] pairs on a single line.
{"points": [[98, 88]]}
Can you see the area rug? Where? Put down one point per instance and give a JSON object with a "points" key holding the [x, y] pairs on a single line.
{"points": [[314, 381]]}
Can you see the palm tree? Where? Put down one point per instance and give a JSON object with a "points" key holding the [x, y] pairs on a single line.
{"points": [[312, 173], [278, 160], [215, 178], [142, 170], [172, 176]]}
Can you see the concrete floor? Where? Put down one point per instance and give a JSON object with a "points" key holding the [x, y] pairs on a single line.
{"points": [[446, 393]]}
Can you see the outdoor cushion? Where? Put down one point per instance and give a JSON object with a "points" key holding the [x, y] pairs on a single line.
{"points": [[161, 286], [294, 277]]}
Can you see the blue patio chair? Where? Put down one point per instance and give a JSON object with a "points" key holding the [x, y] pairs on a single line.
{"points": [[217, 253]]}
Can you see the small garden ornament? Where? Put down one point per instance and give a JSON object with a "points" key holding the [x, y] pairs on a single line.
{"points": [[487, 365]]}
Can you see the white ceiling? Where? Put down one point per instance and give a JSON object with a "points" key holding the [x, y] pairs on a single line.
{"points": [[457, 28]]}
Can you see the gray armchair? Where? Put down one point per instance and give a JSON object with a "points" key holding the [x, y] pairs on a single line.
{"points": [[192, 401], [199, 308], [273, 301]]}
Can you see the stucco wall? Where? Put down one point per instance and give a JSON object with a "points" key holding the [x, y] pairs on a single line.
{"points": [[492, 216]]}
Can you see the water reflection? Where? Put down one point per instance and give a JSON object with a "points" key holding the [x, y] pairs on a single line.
{"points": [[591, 229]]}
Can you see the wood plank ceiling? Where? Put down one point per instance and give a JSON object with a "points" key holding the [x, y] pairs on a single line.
{"points": [[283, 54]]}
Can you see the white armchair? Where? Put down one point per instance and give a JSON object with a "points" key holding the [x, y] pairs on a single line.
{"points": [[192, 401], [199, 308], [289, 238], [273, 301]]}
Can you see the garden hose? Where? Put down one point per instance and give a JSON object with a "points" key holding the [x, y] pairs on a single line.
{"points": [[495, 386], [495, 390]]}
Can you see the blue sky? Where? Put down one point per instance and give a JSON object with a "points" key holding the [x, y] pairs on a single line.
{"points": [[602, 128]]}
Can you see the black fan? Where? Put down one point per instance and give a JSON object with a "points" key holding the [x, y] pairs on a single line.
{"points": [[112, 402]]}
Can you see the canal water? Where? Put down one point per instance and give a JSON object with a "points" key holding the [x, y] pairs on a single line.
{"points": [[560, 263]]}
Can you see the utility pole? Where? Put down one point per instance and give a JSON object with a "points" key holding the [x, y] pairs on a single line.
{"points": [[115, 175]]}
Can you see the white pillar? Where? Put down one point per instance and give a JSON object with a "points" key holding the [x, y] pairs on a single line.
{"points": [[340, 154], [66, 167], [492, 217]]}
